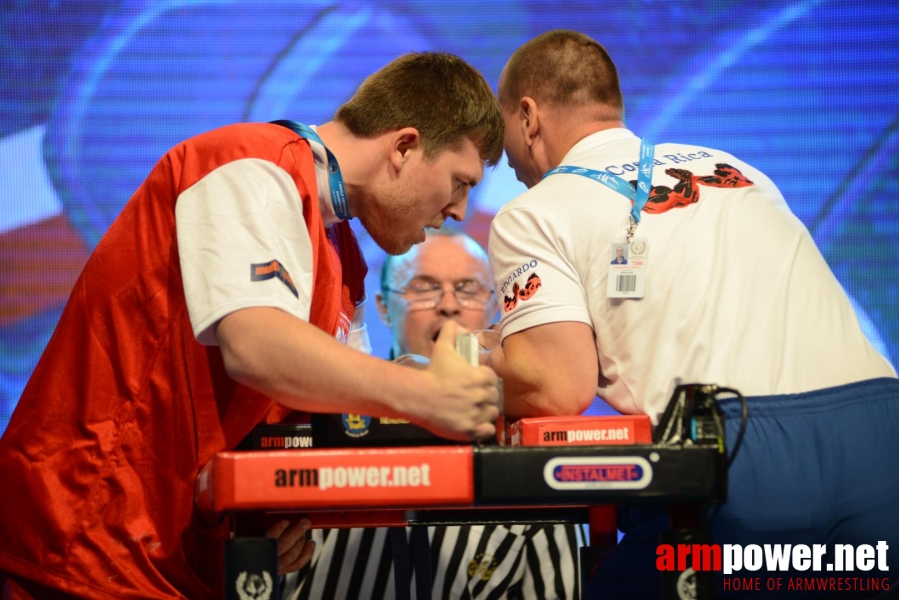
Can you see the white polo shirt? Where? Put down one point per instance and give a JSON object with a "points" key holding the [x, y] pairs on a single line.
{"points": [[737, 293]]}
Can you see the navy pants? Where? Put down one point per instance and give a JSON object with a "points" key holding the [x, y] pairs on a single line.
{"points": [[814, 468]]}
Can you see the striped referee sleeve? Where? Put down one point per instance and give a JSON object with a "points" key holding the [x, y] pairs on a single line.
{"points": [[470, 562]]}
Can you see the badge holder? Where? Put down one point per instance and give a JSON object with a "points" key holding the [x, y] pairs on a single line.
{"points": [[628, 264]]}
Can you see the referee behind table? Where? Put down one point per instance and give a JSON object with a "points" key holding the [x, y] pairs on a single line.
{"points": [[480, 562], [447, 277]]}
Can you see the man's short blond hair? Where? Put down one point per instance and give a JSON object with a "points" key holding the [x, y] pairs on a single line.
{"points": [[562, 68], [439, 94]]}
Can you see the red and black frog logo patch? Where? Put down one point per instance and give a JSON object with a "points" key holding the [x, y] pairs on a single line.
{"points": [[686, 192], [522, 293]]}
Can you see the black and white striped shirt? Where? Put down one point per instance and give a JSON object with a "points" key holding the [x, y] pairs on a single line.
{"points": [[471, 562]]}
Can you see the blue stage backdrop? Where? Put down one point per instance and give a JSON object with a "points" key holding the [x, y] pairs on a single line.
{"points": [[92, 92]]}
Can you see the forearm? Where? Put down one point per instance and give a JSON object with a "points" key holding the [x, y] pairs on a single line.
{"points": [[544, 375], [304, 368], [525, 390]]}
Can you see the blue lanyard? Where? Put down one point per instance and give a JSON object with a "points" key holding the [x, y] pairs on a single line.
{"points": [[639, 195], [335, 180]]}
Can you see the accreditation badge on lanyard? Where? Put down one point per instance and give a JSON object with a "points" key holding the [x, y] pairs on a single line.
{"points": [[628, 254]]}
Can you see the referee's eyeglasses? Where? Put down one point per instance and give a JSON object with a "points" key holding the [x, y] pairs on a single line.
{"points": [[424, 293]]}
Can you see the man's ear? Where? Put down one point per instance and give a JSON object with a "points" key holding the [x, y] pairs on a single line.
{"points": [[402, 143], [530, 119], [381, 303]]}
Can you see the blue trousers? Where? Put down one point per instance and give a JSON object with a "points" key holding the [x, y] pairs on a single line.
{"points": [[819, 467]]}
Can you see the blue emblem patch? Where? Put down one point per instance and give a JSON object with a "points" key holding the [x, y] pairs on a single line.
{"points": [[355, 425]]}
